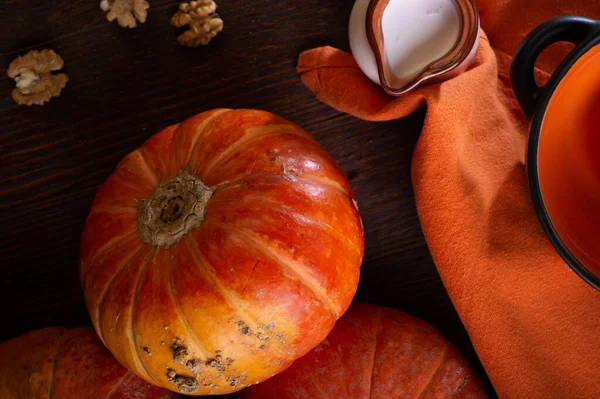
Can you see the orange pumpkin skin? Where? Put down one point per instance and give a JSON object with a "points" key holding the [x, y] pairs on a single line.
{"points": [[377, 353], [59, 363], [272, 262]]}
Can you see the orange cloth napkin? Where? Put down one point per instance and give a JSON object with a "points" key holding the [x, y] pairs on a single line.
{"points": [[534, 324]]}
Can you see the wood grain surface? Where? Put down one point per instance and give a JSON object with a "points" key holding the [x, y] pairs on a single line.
{"points": [[127, 84]]}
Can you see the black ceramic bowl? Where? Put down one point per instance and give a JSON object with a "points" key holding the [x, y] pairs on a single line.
{"points": [[584, 33]]}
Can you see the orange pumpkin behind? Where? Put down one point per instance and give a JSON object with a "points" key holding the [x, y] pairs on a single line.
{"points": [[376, 353], [221, 251], [59, 363]]}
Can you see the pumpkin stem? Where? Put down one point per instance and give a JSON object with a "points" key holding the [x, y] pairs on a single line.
{"points": [[174, 208]]}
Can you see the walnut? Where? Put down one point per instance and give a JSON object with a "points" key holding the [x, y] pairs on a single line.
{"points": [[125, 10], [35, 83], [202, 20]]}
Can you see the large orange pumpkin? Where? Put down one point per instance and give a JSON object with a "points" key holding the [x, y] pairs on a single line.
{"points": [[376, 353], [219, 252], [59, 363]]}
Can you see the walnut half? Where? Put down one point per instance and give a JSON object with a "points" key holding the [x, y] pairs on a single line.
{"points": [[125, 11], [201, 18], [32, 73]]}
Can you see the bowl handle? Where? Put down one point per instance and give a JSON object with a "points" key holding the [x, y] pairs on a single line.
{"points": [[570, 29]]}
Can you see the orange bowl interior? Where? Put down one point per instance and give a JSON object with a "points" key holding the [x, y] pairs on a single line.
{"points": [[569, 160]]}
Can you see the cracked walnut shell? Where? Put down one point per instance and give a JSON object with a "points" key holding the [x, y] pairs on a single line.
{"points": [[125, 11], [202, 20], [35, 82]]}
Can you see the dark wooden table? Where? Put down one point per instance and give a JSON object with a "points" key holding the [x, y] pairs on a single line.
{"points": [[127, 84]]}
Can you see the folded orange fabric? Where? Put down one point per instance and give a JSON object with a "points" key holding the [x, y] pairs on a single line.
{"points": [[534, 324]]}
